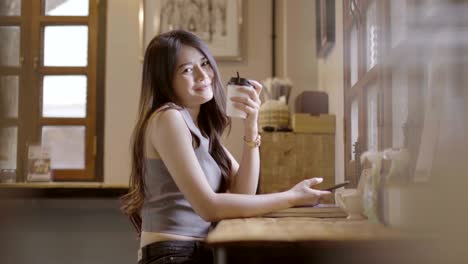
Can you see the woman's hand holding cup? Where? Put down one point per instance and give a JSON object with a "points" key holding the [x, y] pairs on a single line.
{"points": [[244, 102]]}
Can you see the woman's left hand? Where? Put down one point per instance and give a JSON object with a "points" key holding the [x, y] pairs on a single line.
{"points": [[250, 105]]}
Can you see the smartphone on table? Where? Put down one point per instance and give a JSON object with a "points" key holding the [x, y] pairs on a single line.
{"points": [[339, 185]]}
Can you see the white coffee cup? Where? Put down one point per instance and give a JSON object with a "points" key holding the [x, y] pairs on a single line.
{"points": [[234, 91], [351, 202]]}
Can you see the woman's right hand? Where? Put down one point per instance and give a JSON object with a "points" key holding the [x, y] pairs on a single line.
{"points": [[303, 194]]}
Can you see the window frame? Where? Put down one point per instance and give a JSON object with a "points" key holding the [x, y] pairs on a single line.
{"points": [[31, 71], [382, 75], [376, 76]]}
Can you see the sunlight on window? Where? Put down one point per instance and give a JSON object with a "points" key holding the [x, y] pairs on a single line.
{"points": [[400, 105], [354, 55], [67, 8], [66, 46], [372, 36], [67, 146], [8, 147], [10, 8], [10, 94], [64, 96], [10, 37], [399, 16], [372, 121]]}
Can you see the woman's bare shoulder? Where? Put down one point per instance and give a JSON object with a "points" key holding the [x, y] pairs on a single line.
{"points": [[166, 125], [166, 119], [165, 113]]}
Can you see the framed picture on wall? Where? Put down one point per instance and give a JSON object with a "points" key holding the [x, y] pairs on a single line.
{"points": [[217, 22], [325, 26]]}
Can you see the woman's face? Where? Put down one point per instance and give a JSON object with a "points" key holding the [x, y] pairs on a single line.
{"points": [[193, 78]]}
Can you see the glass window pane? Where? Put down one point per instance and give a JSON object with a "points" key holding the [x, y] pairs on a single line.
{"points": [[354, 55], [66, 7], [8, 147], [399, 105], [10, 8], [354, 125], [9, 45], [9, 99], [64, 96], [372, 118], [398, 17], [372, 36], [66, 46], [67, 146]]}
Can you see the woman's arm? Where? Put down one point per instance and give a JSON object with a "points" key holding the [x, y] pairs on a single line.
{"points": [[245, 180], [244, 177], [172, 138]]}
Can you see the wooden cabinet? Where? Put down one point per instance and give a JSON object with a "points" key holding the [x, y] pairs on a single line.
{"points": [[287, 158]]}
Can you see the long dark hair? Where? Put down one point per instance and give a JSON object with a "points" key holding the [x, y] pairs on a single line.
{"points": [[156, 91]]}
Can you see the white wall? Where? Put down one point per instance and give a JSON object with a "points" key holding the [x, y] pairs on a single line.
{"points": [[256, 63], [123, 77], [297, 60], [122, 87], [295, 51], [296, 55], [331, 80]]}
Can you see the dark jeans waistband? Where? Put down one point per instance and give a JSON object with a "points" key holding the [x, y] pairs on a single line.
{"points": [[162, 247], [195, 250]]}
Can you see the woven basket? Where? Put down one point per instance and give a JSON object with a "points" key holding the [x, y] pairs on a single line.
{"points": [[274, 113]]}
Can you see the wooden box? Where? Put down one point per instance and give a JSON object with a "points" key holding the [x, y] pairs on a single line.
{"points": [[306, 123], [288, 158]]}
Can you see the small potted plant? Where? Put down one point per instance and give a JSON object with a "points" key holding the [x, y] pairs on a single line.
{"points": [[274, 112]]}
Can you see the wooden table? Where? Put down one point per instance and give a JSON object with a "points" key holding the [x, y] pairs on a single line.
{"points": [[311, 240]]}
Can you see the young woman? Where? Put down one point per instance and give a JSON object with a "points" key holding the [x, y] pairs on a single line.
{"points": [[183, 178]]}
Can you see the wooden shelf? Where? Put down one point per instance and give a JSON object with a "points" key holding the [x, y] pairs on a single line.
{"points": [[49, 185], [61, 189]]}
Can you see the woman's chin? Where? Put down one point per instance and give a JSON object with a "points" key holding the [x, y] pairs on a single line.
{"points": [[198, 98], [205, 98]]}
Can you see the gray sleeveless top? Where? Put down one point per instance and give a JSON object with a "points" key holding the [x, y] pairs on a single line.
{"points": [[165, 208]]}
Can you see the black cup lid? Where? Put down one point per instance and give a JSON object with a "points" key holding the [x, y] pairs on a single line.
{"points": [[239, 81]]}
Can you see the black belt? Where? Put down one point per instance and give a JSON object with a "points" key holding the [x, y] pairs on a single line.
{"points": [[161, 248]]}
